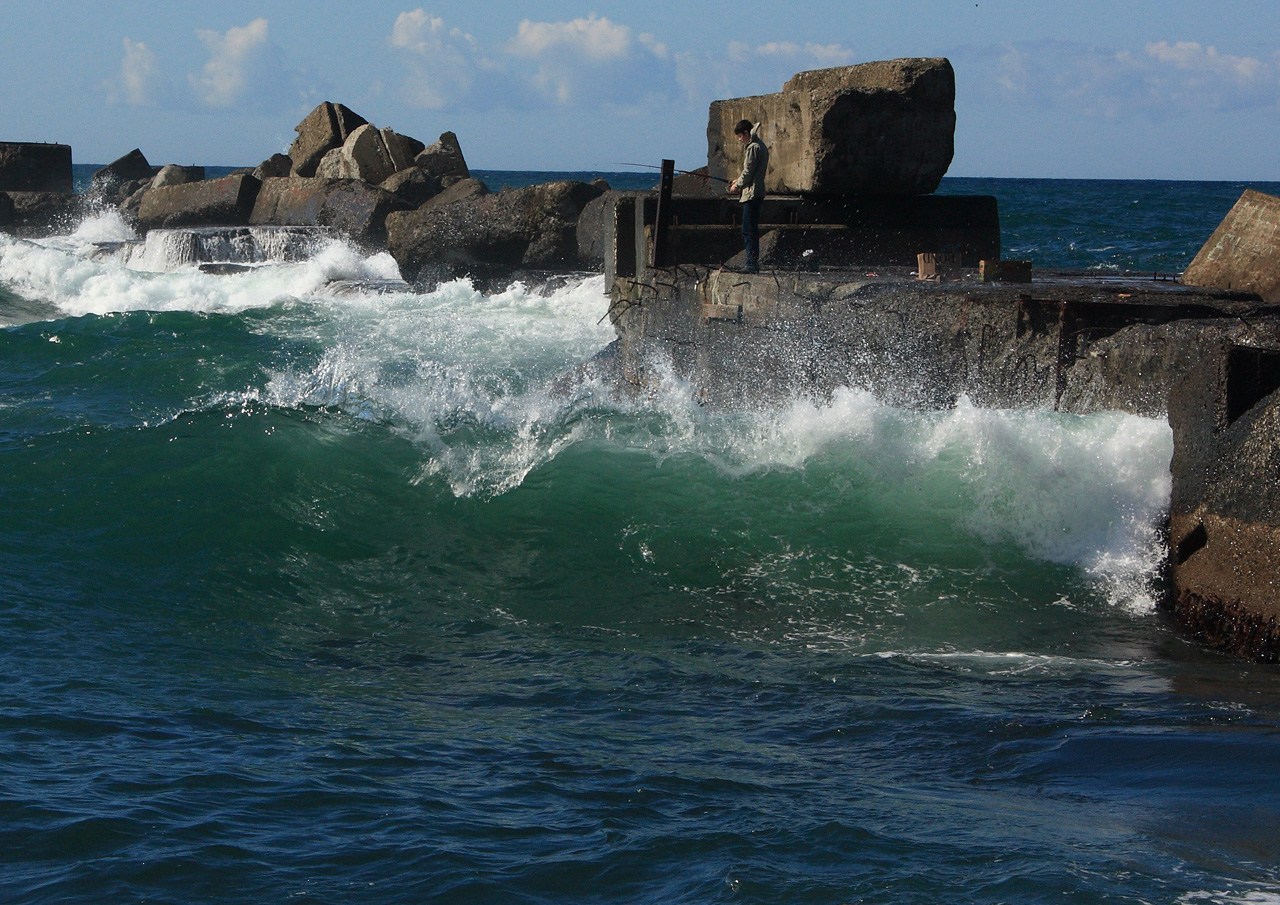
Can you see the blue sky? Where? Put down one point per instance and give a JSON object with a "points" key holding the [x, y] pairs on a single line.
{"points": [[1114, 89]]}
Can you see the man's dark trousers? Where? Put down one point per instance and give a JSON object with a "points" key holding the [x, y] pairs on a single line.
{"points": [[751, 231]]}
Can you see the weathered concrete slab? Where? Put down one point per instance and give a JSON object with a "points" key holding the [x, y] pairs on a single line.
{"points": [[352, 207], [444, 158], [130, 167], [323, 129], [488, 235], [35, 167], [1244, 251], [214, 202], [884, 128]]}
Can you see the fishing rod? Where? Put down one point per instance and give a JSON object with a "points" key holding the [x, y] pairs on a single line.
{"points": [[649, 166]]}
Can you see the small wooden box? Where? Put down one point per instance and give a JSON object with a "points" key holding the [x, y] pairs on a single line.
{"points": [[931, 265]]}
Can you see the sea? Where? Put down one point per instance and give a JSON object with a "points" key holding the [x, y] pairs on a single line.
{"points": [[318, 590]]}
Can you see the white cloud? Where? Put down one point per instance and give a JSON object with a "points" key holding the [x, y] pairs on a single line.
{"points": [[594, 39], [1163, 80], [141, 82], [235, 58], [444, 63]]}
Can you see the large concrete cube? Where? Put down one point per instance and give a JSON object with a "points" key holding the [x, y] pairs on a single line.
{"points": [[884, 128], [1243, 253]]}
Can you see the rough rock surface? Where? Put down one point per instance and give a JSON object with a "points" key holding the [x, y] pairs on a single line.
{"points": [[172, 174], [214, 202], [486, 236], [34, 167], [370, 154], [884, 128], [130, 167], [40, 214], [273, 167], [324, 128], [1244, 251], [7, 214], [414, 186], [355, 208], [444, 158]]}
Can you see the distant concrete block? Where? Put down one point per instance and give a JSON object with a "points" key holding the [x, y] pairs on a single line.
{"points": [[1243, 253], [882, 128], [34, 167]]}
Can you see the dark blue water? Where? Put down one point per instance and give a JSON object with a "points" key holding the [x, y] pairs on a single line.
{"points": [[337, 598]]}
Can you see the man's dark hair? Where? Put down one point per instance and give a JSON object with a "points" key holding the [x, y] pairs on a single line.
{"points": [[743, 126]]}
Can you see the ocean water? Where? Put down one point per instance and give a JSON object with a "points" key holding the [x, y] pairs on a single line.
{"points": [[333, 595]]}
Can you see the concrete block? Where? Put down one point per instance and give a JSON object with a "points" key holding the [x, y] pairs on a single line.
{"points": [[1243, 254], [34, 167]]}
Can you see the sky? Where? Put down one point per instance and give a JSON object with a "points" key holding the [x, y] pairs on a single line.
{"points": [[1180, 89]]}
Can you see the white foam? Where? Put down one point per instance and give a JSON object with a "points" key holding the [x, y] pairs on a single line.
{"points": [[60, 271]]}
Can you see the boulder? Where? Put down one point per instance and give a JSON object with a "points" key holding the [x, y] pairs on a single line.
{"points": [[7, 214], [172, 174], [401, 149], [128, 168], [884, 128], [1243, 254], [273, 167], [491, 235], [370, 154], [39, 214], [35, 167], [413, 186], [444, 158], [355, 208], [213, 202], [457, 189], [324, 128]]}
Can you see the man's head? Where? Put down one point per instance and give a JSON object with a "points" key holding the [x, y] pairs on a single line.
{"points": [[742, 131]]}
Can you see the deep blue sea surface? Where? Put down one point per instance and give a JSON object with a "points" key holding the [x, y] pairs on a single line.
{"points": [[326, 596]]}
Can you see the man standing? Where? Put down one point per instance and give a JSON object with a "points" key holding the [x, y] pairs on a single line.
{"points": [[755, 161]]}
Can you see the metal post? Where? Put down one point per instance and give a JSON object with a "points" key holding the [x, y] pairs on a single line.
{"points": [[659, 258]]}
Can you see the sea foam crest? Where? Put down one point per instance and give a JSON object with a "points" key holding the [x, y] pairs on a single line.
{"points": [[70, 273]]}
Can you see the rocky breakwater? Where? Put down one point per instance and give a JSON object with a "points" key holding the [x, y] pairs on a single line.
{"points": [[35, 187], [344, 174]]}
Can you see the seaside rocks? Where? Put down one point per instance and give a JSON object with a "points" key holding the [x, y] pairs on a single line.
{"points": [[7, 214], [370, 154], [273, 167], [35, 167], [173, 174], [324, 128], [355, 208], [39, 214], [491, 235], [444, 158], [413, 186], [1243, 253], [214, 202], [130, 167], [884, 128]]}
